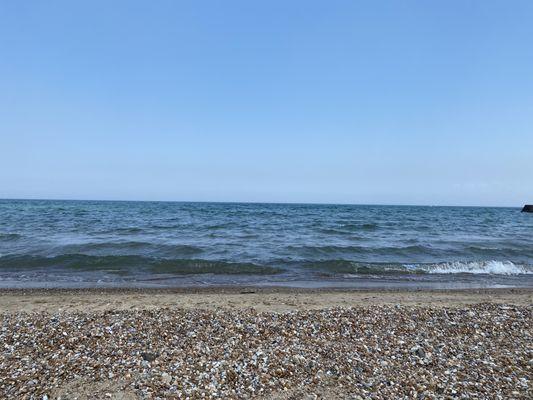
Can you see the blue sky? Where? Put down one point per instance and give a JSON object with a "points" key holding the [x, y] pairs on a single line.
{"points": [[387, 102]]}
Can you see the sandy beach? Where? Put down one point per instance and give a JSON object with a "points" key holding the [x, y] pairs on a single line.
{"points": [[265, 343], [261, 299]]}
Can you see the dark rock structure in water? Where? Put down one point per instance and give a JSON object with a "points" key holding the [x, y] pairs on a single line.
{"points": [[528, 208]]}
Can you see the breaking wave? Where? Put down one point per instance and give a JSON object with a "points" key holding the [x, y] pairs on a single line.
{"points": [[471, 267], [479, 267]]}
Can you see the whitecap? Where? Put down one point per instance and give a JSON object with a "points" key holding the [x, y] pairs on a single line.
{"points": [[492, 267]]}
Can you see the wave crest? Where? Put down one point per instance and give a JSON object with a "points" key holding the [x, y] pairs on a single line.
{"points": [[456, 267], [492, 267], [9, 236]]}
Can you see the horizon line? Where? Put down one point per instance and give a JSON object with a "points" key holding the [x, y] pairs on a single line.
{"points": [[256, 202]]}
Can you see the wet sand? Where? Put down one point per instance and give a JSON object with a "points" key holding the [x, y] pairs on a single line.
{"points": [[261, 299]]}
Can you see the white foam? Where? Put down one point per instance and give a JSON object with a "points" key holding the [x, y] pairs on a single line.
{"points": [[478, 267]]}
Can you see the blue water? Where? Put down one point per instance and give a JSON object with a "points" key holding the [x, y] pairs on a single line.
{"points": [[101, 243]]}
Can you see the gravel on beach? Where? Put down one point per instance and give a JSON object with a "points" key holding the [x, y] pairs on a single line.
{"points": [[379, 352]]}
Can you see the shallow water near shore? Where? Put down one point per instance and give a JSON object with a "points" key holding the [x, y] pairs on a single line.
{"points": [[165, 244]]}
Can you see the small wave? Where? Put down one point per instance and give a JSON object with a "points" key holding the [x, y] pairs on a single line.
{"points": [[134, 264], [328, 250], [220, 226], [126, 248], [341, 232], [199, 266], [477, 267], [165, 227], [9, 236], [354, 267], [367, 226]]}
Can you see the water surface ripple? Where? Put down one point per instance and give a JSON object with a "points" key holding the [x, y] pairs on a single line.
{"points": [[95, 243]]}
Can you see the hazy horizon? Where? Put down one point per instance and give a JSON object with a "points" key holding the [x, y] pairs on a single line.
{"points": [[393, 103], [258, 202]]}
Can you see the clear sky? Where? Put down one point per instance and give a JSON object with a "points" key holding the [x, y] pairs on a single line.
{"points": [[387, 102]]}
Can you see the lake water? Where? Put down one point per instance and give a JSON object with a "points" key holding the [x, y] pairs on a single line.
{"points": [[161, 244]]}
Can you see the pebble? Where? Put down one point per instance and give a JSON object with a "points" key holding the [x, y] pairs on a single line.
{"points": [[166, 378], [381, 352], [419, 351], [148, 356]]}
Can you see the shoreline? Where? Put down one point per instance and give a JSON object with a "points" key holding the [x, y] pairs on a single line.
{"points": [[276, 299]]}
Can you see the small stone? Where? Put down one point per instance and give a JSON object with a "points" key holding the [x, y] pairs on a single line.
{"points": [[166, 378], [148, 356], [419, 351]]}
